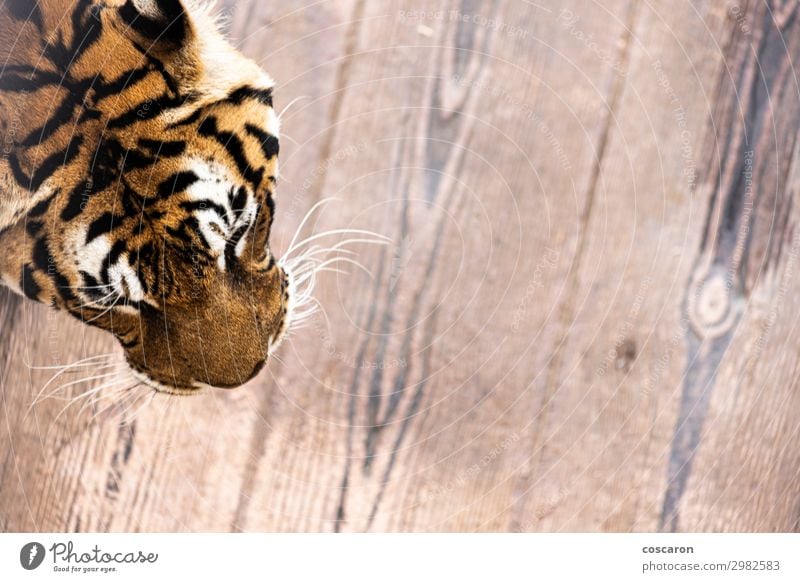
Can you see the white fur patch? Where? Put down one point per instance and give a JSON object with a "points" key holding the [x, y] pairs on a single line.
{"points": [[273, 124], [89, 258], [121, 276], [215, 186]]}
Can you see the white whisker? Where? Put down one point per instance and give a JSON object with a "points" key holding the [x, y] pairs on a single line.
{"points": [[87, 395], [124, 392], [304, 260], [95, 395], [80, 363], [39, 396], [305, 219], [348, 261], [381, 239], [145, 403], [104, 312], [290, 104]]}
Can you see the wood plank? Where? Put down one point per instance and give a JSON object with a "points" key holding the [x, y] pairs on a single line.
{"points": [[741, 386], [448, 168], [542, 347]]}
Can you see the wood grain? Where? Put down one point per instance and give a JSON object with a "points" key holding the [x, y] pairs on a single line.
{"points": [[586, 320]]}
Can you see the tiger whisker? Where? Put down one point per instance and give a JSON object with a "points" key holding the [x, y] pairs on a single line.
{"points": [[308, 259], [124, 392], [316, 250], [96, 395], [69, 368], [381, 239], [145, 402], [53, 394], [304, 261], [91, 287], [308, 271], [115, 389], [332, 270], [101, 302], [286, 136], [305, 219], [348, 261], [80, 397], [309, 312], [85, 362], [106, 311], [304, 275], [130, 398], [290, 104], [40, 396], [114, 399], [96, 389], [276, 358]]}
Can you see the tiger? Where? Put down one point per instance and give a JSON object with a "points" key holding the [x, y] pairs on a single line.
{"points": [[137, 184]]}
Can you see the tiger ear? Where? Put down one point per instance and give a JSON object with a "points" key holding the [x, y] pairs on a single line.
{"points": [[165, 23]]}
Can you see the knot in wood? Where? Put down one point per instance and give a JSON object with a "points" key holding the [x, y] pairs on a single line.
{"points": [[711, 309]]}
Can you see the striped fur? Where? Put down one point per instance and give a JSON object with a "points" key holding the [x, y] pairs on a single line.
{"points": [[137, 183]]}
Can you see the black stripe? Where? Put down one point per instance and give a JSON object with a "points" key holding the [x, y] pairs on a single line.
{"points": [[116, 252], [178, 182], [238, 200], [166, 149], [63, 56], [123, 82], [41, 255], [157, 65], [77, 200], [236, 98], [42, 206], [27, 79], [113, 256], [28, 283], [145, 258], [269, 143], [33, 227], [62, 286], [205, 204], [230, 245], [270, 202], [235, 148], [48, 167], [90, 286], [100, 226], [144, 110], [249, 93], [63, 115], [171, 26], [193, 118]]}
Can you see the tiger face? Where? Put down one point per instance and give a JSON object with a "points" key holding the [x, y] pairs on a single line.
{"points": [[138, 186]]}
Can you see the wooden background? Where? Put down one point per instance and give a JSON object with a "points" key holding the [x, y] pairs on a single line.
{"points": [[587, 320]]}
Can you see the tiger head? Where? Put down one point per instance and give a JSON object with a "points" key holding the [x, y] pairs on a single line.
{"points": [[138, 184]]}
